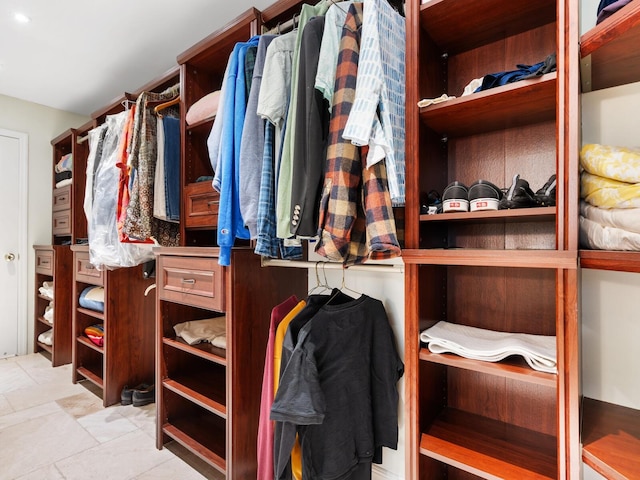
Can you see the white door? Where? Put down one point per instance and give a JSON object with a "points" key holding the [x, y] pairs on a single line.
{"points": [[13, 251]]}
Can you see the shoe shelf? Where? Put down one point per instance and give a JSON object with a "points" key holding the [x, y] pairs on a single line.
{"points": [[489, 448], [211, 400], [516, 104], [94, 378], [611, 439], [609, 51], [533, 214]]}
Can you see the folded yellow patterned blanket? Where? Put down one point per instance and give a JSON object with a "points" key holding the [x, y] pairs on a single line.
{"points": [[617, 163], [607, 193]]}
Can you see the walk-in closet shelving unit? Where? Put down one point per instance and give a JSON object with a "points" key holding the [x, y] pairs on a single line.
{"points": [[506, 270], [208, 398], [202, 71], [127, 356], [610, 57], [53, 264]]}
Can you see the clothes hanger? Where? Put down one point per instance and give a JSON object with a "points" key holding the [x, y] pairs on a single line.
{"points": [[164, 105], [318, 284], [344, 287]]}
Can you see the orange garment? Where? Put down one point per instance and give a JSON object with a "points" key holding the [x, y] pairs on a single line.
{"points": [[296, 452]]}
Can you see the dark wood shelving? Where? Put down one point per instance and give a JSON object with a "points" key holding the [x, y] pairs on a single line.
{"points": [[204, 350], [43, 321], [611, 439], [609, 51], [211, 400], [610, 260], [201, 125], [88, 343], [508, 368], [44, 297], [516, 104], [187, 440], [92, 377], [91, 313], [489, 448], [491, 258], [45, 347], [477, 24], [538, 214]]}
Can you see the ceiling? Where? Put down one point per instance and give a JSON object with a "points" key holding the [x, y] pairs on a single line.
{"points": [[79, 55]]}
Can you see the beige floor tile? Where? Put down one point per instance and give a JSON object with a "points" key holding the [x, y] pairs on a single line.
{"points": [[24, 415], [143, 417], [43, 372], [50, 472], [81, 404], [37, 394], [126, 457], [37, 443], [14, 377], [106, 425], [5, 406], [171, 470], [195, 462]]}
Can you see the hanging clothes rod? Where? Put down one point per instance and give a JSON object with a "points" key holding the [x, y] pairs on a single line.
{"points": [[284, 27], [324, 265], [82, 139]]}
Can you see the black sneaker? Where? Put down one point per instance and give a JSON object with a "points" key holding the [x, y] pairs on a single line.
{"points": [[143, 396], [484, 195], [519, 195], [432, 204], [546, 196], [455, 198]]}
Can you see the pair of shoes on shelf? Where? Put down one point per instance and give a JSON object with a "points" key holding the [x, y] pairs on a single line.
{"points": [[139, 396], [481, 195], [432, 204], [520, 195]]}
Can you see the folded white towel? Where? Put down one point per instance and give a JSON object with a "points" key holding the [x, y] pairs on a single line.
{"points": [[48, 313], [212, 330], [46, 337], [488, 345]]}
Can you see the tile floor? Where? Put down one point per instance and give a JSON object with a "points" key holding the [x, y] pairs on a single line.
{"points": [[51, 429]]}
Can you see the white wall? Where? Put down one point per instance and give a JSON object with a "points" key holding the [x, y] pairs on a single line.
{"points": [[609, 305], [42, 124]]}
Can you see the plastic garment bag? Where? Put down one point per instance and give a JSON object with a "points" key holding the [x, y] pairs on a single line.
{"points": [[105, 249]]}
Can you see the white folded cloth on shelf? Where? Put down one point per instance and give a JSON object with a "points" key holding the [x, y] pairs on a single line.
{"points": [[46, 337], [48, 313], [539, 351], [46, 290], [212, 330]]}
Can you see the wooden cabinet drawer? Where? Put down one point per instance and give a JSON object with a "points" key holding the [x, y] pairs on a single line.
{"points": [[62, 222], [44, 262], [195, 281], [85, 272], [201, 205], [62, 198]]}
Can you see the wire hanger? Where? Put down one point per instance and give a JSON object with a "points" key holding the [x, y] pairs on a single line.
{"points": [[344, 287], [319, 285]]}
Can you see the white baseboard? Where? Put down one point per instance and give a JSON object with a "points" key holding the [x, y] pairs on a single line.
{"points": [[379, 473]]}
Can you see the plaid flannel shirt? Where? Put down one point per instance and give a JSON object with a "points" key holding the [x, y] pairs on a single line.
{"points": [[356, 217]]}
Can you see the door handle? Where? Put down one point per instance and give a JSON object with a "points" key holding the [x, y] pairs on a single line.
{"points": [[9, 257]]}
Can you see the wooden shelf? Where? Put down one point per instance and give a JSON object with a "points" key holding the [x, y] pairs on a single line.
{"points": [[210, 400], [492, 258], [92, 377], [201, 125], [44, 297], [91, 313], [538, 214], [611, 439], [188, 439], [489, 448], [88, 343], [44, 346], [42, 320], [609, 51], [202, 350], [458, 25], [519, 103], [508, 368], [610, 260]]}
